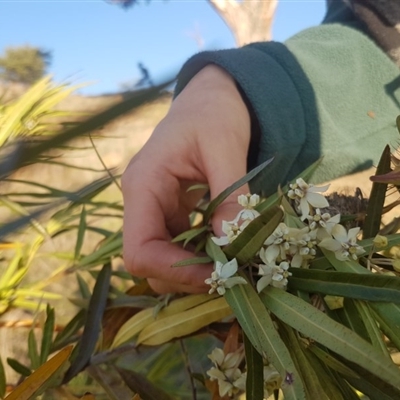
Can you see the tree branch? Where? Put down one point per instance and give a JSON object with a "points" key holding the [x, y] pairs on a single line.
{"points": [[250, 21]]}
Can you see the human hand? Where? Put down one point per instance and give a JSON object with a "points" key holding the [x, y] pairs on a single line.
{"points": [[203, 139]]}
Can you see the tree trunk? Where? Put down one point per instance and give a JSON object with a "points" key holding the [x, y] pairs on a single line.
{"points": [[249, 20]]}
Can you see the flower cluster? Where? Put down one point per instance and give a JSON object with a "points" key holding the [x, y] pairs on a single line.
{"points": [[232, 380], [223, 278], [233, 228], [287, 247]]}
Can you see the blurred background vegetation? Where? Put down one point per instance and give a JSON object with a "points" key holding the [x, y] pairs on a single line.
{"points": [[61, 215], [62, 279]]}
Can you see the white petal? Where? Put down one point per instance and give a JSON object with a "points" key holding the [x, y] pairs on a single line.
{"points": [[254, 200], [235, 280], [302, 183], [217, 356], [320, 189], [352, 234], [317, 200], [263, 283], [231, 361], [218, 269], [224, 387], [240, 383], [342, 255], [221, 290], [215, 373], [339, 233], [221, 241], [330, 244], [304, 207], [297, 260], [229, 268], [243, 200], [277, 277], [270, 254]]}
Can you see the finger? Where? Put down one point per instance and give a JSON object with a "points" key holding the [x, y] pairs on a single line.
{"points": [[148, 251], [154, 259], [228, 210]]}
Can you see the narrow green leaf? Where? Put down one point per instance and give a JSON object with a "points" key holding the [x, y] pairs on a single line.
{"points": [[370, 287], [187, 236], [255, 371], [199, 186], [344, 266], [33, 350], [69, 330], [388, 317], [18, 367], [92, 328], [368, 389], [332, 362], [371, 326], [372, 384], [372, 222], [349, 316], [222, 196], [260, 330], [83, 287], [47, 338], [132, 301], [141, 385], [192, 261], [249, 242], [3, 382], [107, 250], [81, 234], [319, 327], [78, 197], [348, 392], [215, 252], [7, 277], [313, 385]]}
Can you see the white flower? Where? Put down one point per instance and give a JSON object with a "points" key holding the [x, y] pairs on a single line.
{"points": [[231, 230], [343, 243], [307, 194], [248, 202], [222, 277], [296, 246], [230, 379], [323, 223], [306, 243], [273, 275], [277, 245]]}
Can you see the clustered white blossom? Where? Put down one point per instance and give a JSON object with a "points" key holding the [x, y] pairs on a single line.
{"points": [[233, 228], [306, 195], [232, 380], [223, 277], [286, 247]]}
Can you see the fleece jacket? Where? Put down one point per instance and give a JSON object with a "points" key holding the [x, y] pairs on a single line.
{"points": [[328, 92]]}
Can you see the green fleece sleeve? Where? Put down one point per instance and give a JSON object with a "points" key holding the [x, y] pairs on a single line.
{"points": [[327, 92]]}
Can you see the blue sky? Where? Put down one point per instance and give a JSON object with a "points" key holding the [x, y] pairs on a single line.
{"points": [[93, 41]]}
